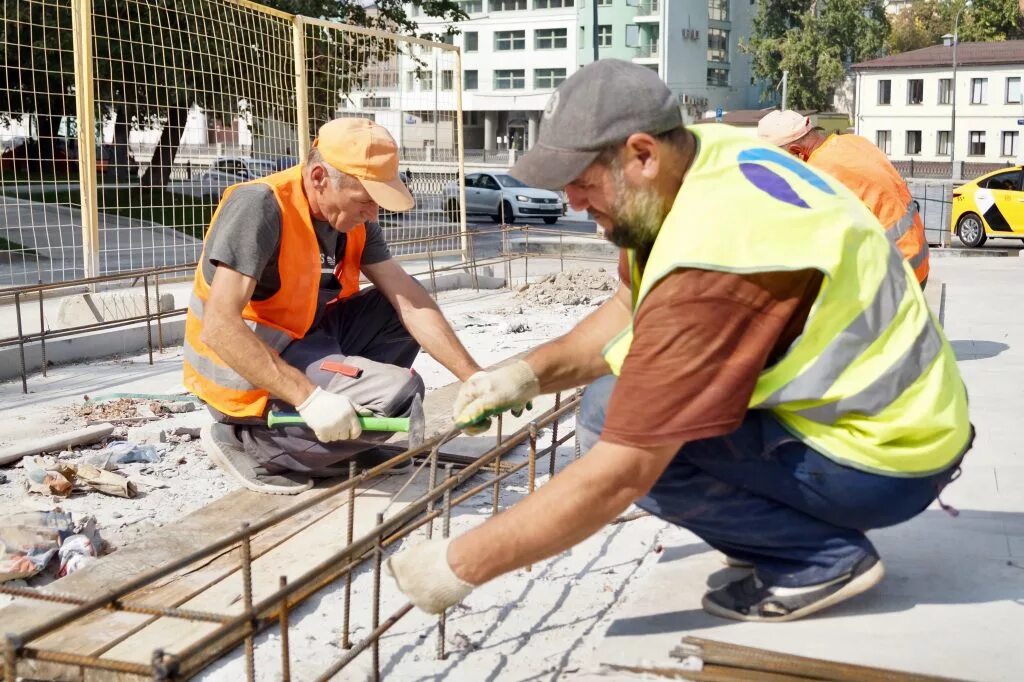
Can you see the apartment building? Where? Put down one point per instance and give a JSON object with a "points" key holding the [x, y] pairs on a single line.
{"points": [[516, 52], [905, 102], [694, 45]]}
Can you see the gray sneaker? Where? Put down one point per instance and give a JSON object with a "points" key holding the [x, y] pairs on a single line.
{"points": [[226, 451]]}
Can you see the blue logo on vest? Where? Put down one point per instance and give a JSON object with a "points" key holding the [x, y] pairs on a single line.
{"points": [[773, 184]]}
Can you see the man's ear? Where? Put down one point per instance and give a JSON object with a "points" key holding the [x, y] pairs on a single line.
{"points": [[318, 176], [643, 156]]}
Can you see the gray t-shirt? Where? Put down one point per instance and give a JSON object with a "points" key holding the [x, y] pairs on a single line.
{"points": [[248, 240]]}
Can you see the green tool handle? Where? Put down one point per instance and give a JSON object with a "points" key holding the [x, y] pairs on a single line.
{"points": [[391, 424]]}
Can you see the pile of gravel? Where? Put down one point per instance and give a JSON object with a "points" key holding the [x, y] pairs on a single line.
{"points": [[573, 287]]}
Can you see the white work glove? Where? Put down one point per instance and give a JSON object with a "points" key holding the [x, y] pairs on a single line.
{"points": [[485, 394], [332, 416], [424, 575]]}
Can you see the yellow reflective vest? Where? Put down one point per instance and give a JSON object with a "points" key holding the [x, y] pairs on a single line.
{"points": [[871, 382]]}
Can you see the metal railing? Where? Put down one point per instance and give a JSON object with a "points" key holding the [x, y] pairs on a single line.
{"points": [[648, 51], [428, 248], [940, 170], [117, 112], [648, 7]]}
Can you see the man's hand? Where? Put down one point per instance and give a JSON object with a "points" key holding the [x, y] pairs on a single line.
{"points": [[427, 579], [486, 393], [332, 416]]}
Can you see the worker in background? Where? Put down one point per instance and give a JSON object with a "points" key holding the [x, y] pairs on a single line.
{"points": [[277, 318], [768, 374], [861, 166]]}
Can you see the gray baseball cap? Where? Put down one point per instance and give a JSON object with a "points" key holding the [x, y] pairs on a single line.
{"points": [[600, 105]]}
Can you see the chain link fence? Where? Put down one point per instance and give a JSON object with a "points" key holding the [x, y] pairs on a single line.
{"points": [[123, 122]]}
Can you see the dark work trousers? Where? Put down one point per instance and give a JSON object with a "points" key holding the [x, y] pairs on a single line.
{"points": [[759, 494], [363, 331]]}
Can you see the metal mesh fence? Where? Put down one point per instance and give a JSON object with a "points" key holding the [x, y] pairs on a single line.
{"points": [[125, 120], [40, 229], [411, 88]]}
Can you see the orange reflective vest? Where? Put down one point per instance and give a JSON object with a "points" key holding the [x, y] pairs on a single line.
{"points": [[278, 320], [865, 170]]}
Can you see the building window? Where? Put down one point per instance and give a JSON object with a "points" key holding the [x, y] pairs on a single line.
{"points": [[509, 79], [471, 41], [979, 91], [883, 140], [976, 143], [548, 79], [1010, 138], [509, 40], [913, 142], [376, 103], [507, 5], [604, 36], [942, 143], [718, 10], [551, 38], [470, 80], [945, 91], [632, 35], [604, 3], [447, 80], [1013, 90], [718, 45], [551, 4], [915, 91], [471, 6], [885, 91], [718, 76]]}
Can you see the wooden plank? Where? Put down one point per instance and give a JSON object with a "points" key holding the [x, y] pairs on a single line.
{"points": [[293, 558]]}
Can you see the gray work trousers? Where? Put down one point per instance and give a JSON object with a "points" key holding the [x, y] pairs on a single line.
{"points": [[363, 331]]}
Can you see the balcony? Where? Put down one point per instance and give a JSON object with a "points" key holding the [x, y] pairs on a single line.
{"points": [[647, 11], [647, 54]]}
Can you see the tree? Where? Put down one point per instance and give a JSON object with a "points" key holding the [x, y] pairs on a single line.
{"points": [[155, 59], [815, 42], [924, 23]]}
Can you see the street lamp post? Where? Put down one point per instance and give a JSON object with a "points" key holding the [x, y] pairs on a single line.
{"points": [[952, 127]]}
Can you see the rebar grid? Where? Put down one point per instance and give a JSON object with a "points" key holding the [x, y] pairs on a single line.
{"points": [[273, 609]]}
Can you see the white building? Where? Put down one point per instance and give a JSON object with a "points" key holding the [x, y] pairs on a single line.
{"points": [[905, 103], [515, 52]]}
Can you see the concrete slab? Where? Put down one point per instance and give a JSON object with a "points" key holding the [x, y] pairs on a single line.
{"points": [[951, 603]]}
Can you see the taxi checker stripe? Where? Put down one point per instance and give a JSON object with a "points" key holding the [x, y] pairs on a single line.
{"points": [[273, 337], [224, 377], [812, 383], [903, 225], [887, 387]]}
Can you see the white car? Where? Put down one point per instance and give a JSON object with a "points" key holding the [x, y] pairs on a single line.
{"points": [[227, 171], [504, 199]]}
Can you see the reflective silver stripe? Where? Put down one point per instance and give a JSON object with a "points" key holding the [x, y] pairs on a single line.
{"points": [[903, 225], [919, 257], [814, 382], [217, 374], [888, 386], [273, 337]]}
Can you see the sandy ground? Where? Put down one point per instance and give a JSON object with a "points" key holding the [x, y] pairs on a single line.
{"points": [[531, 625]]}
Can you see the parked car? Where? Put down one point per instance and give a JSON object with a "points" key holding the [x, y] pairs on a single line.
{"points": [[231, 170], [989, 206], [504, 199]]}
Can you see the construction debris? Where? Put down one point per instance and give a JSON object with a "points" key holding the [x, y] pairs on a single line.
{"points": [[573, 287], [106, 482], [123, 452], [29, 541]]}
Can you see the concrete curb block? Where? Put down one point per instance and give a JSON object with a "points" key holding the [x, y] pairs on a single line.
{"points": [[570, 246], [954, 252], [132, 340]]}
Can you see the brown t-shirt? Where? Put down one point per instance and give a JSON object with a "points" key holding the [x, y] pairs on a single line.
{"points": [[700, 340]]}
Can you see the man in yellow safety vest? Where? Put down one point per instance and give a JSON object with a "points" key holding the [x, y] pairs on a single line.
{"points": [[768, 375]]}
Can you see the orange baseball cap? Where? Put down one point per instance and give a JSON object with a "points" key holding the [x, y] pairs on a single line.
{"points": [[365, 150]]}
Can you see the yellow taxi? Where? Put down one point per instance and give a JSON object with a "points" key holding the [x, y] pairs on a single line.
{"points": [[989, 206]]}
